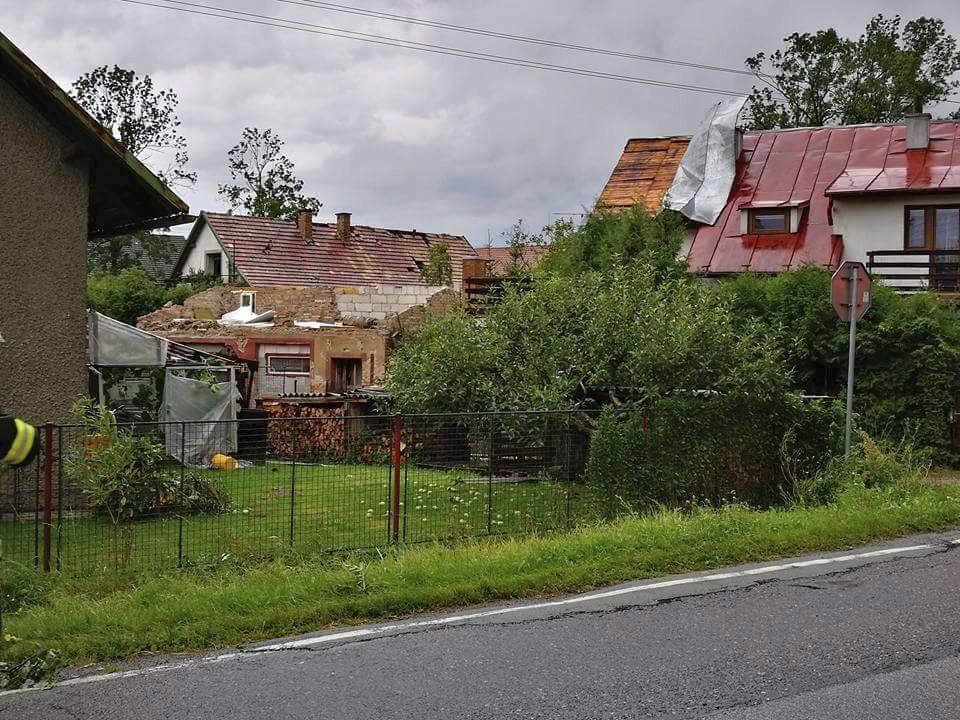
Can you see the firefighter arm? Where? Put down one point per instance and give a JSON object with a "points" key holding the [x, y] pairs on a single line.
{"points": [[19, 441]]}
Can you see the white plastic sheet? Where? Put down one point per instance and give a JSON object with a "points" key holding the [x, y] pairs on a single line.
{"points": [[702, 184], [207, 411], [116, 344]]}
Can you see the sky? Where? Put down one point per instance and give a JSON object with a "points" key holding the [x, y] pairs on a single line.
{"points": [[414, 140]]}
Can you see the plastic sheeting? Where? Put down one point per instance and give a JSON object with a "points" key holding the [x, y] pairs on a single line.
{"points": [[206, 410], [115, 344], [702, 184]]}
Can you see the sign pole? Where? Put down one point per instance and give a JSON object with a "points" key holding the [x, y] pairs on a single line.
{"points": [[852, 352]]}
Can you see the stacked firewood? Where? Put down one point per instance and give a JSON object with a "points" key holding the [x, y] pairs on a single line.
{"points": [[322, 433]]}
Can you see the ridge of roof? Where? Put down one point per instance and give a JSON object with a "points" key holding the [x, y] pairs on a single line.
{"points": [[262, 218]]}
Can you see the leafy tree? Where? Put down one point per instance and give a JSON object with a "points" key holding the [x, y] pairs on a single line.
{"points": [[607, 239], [145, 121], [263, 182], [142, 118], [438, 269], [822, 78], [125, 296]]}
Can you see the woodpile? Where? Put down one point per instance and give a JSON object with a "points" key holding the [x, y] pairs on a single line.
{"points": [[321, 432]]}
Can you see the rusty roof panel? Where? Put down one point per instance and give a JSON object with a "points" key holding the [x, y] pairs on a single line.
{"points": [[644, 172]]}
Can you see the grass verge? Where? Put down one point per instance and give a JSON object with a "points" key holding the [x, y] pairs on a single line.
{"points": [[112, 617]]}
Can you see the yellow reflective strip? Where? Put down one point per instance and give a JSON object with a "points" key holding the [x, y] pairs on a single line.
{"points": [[22, 444]]}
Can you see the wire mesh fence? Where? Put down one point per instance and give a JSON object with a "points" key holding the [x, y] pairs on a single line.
{"points": [[162, 495]]}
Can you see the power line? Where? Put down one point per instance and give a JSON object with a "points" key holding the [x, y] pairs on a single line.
{"points": [[348, 9], [314, 29]]}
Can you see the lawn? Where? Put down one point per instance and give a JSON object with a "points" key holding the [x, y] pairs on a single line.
{"points": [[113, 615], [332, 507]]}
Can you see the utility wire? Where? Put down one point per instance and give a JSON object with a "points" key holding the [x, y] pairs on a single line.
{"points": [[335, 7], [266, 20]]}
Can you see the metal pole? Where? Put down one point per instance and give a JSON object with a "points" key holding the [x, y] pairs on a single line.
{"points": [[183, 478], [47, 493], [293, 479], [852, 352], [395, 505]]}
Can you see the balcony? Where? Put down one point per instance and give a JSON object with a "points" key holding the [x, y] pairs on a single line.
{"points": [[912, 271]]}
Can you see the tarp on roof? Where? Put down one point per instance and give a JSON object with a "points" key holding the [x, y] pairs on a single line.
{"points": [[705, 176], [112, 343]]}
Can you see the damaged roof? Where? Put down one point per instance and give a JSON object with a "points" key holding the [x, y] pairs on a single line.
{"points": [[124, 194], [644, 173], [806, 168], [272, 252], [502, 259]]}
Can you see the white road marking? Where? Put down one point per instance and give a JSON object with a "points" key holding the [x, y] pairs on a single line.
{"points": [[481, 614]]}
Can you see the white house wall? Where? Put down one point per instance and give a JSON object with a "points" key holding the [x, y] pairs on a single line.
{"points": [[206, 242], [877, 223]]}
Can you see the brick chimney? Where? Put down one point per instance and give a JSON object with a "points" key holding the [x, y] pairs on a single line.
{"points": [[305, 225], [343, 226], [918, 130]]}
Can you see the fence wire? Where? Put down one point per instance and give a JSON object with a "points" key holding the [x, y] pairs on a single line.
{"points": [[165, 495]]}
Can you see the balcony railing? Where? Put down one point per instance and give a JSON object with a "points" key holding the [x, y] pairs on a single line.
{"points": [[911, 271]]}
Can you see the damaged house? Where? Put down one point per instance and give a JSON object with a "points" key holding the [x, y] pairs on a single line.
{"points": [[310, 309], [773, 200]]}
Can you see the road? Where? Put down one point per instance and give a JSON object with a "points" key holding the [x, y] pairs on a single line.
{"points": [[873, 633]]}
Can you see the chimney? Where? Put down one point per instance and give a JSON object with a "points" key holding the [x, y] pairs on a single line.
{"points": [[475, 267], [343, 226], [305, 225], [918, 130]]}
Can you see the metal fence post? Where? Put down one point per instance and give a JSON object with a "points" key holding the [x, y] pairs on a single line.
{"points": [[47, 492], [395, 498], [183, 471], [490, 478], [293, 478], [59, 497]]}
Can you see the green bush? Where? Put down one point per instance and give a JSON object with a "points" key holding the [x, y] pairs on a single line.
{"points": [[124, 475], [717, 449]]}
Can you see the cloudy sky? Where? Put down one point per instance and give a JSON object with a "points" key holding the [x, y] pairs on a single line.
{"points": [[408, 139]]}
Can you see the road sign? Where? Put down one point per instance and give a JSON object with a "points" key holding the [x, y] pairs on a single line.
{"points": [[842, 292]]}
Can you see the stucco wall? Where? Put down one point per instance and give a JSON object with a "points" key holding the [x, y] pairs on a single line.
{"points": [[877, 223], [43, 233], [195, 261]]}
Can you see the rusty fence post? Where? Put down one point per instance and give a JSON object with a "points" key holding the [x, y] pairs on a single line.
{"points": [[47, 493], [395, 496]]}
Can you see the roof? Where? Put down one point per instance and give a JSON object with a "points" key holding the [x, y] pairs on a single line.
{"points": [[644, 172], [160, 269], [271, 252], [124, 194], [503, 258], [806, 168]]}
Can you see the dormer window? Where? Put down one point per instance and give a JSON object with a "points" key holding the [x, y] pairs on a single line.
{"points": [[768, 221], [248, 300]]}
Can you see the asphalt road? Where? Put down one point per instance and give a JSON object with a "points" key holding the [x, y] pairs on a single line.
{"points": [[873, 636]]}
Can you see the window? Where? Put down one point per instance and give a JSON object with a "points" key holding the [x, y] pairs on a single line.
{"points": [[213, 264], [768, 222], [248, 300], [345, 373], [934, 227], [288, 364]]}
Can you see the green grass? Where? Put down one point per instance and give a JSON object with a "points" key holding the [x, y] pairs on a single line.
{"points": [[334, 507], [111, 616]]}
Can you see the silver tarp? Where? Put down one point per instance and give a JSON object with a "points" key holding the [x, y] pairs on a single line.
{"points": [[205, 409], [116, 344], [702, 184]]}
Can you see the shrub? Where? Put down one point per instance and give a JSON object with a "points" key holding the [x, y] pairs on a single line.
{"points": [[716, 449], [124, 475]]}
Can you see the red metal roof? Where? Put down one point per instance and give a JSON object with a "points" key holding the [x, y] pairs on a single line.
{"points": [[270, 252], [807, 168]]}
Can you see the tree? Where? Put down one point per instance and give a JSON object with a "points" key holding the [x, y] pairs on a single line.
{"points": [[262, 178], [438, 269], [125, 296], [145, 121], [822, 78]]}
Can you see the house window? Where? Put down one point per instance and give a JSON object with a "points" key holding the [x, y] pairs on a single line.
{"points": [[213, 265], [768, 221], [934, 227], [345, 373], [288, 364], [248, 300]]}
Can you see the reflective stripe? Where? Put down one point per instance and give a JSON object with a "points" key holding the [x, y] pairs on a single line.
{"points": [[22, 443]]}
